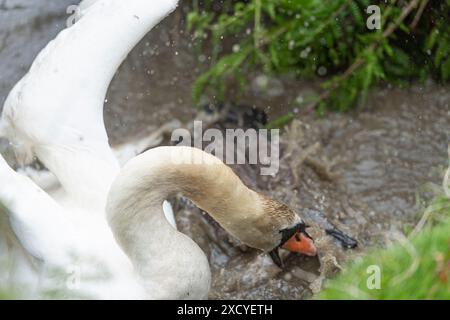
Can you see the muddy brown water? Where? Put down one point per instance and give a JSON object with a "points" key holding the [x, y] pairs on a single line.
{"points": [[364, 173]]}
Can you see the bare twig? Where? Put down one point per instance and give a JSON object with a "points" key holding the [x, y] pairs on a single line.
{"points": [[257, 31], [415, 260], [418, 15], [322, 168], [446, 182], [296, 163]]}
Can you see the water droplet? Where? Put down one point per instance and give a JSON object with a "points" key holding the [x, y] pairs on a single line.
{"points": [[291, 44], [322, 71]]}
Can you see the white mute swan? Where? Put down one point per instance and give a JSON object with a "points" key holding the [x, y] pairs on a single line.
{"points": [[160, 262], [56, 113], [56, 110]]}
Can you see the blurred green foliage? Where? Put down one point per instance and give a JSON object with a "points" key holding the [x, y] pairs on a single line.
{"points": [[324, 39], [416, 270], [418, 267]]}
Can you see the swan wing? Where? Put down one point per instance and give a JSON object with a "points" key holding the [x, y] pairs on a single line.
{"points": [[18, 266], [34, 217], [55, 112]]}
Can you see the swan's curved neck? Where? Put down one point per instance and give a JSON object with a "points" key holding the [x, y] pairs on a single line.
{"points": [[136, 218]]}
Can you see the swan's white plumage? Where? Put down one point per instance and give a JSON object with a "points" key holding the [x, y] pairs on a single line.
{"points": [[56, 113], [31, 211]]}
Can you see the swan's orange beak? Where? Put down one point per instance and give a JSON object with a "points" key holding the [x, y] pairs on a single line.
{"points": [[301, 243]]}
